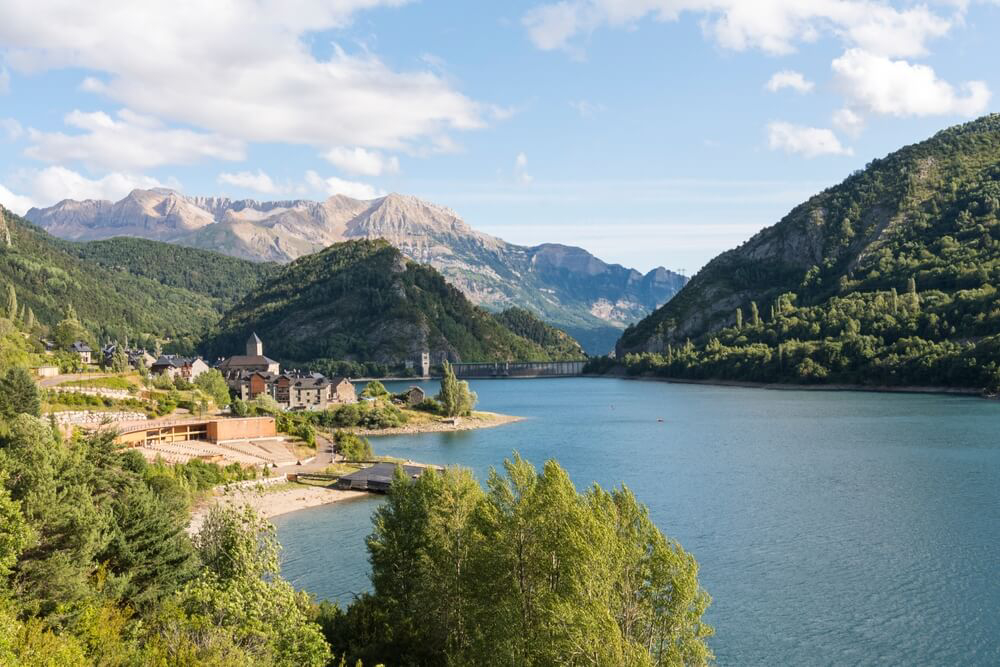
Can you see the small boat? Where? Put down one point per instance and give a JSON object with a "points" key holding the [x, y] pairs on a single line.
{"points": [[659, 419]]}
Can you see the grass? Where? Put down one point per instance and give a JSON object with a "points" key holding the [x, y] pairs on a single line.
{"points": [[112, 382], [341, 469]]}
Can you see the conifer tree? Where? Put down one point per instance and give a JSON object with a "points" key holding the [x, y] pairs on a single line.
{"points": [[456, 399], [11, 303], [739, 319], [754, 314], [911, 293]]}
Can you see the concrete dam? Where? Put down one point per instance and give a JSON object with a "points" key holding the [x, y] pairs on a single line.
{"points": [[518, 369]]}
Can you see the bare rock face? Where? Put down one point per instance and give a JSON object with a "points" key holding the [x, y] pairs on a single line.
{"points": [[565, 285]]}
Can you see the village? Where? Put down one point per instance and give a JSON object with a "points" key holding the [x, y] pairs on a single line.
{"points": [[297, 437]]}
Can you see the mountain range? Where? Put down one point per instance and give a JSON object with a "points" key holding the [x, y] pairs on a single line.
{"points": [[355, 301], [565, 285]]}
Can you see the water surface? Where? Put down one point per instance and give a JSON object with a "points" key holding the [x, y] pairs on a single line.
{"points": [[831, 527]]}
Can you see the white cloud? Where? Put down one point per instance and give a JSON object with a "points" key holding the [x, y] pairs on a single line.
{"points": [[52, 184], [4, 81], [361, 161], [788, 78], [848, 121], [521, 169], [806, 141], [246, 72], [338, 186], [130, 141], [898, 88], [773, 26], [11, 128], [17, 203], [258, 181], [587, 109]]}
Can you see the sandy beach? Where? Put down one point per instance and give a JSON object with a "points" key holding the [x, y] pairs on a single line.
{"points": [[476, 421], [270, 501]]}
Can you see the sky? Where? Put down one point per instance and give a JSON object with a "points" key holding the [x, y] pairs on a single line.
{"points": [[650, 132]]}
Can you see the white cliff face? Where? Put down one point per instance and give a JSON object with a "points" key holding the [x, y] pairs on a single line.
{"points": [[565, 285]]}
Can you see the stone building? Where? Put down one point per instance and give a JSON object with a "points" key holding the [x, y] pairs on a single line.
{"points": [[177, 366], [83, 351], [294, 390], [238, 368]]}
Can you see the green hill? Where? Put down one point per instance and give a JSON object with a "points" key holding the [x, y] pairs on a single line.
{"points": [[527, 325], [888, 278], [48, 275], [221, 277], [363, 301]]}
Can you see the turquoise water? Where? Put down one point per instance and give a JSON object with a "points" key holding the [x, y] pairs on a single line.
{"points": [[831, 527]]}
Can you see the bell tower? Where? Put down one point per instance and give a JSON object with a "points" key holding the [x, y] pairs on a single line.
{"points": [[255, 347]]}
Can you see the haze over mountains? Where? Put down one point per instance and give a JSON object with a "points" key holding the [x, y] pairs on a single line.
{"points": [[567, 286]]}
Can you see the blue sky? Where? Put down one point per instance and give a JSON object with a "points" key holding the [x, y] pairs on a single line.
{"points": [[651, 132]]}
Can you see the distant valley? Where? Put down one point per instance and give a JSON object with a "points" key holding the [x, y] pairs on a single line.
{"points": [[564, 285]]}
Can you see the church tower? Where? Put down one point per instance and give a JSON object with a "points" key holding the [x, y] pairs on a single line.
{"points": [[255, 347]]}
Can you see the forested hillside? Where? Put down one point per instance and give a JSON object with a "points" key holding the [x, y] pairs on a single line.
{"points": [[888, 278], [362, 300], [49, 276], [221, 277], [528, 325]]}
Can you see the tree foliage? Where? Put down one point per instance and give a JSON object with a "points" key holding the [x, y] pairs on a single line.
{"points": [[529, 572], [97, 567], [455, 397], [214, 385]]}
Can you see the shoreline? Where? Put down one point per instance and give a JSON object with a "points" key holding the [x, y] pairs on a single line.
{"points": [[784, 386], [289, 497], [479, 420]]}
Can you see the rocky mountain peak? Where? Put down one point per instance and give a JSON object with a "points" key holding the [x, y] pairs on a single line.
{"points": [[565, 285]]}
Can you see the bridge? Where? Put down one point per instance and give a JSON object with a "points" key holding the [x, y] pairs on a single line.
{"points": [[519, 369]]}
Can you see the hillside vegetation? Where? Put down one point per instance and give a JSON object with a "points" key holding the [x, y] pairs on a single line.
{"points": [[888, 278], [362, 300], [221, 277], [49, 275], [527, 325]]}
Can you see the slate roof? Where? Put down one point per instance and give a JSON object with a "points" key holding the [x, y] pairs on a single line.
{"points": [[244, 361], [174, 360], [377, 477], [80, 346]]}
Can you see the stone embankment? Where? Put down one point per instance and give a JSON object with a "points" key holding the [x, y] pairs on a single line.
{"points": [[96, 417]]}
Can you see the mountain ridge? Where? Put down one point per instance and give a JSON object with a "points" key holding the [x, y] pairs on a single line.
{"points": [[889, 277], [565, 285], [363, 301]]}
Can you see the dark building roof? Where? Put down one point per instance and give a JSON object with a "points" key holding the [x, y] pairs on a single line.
{"points": [[244, 361], [376, 478], [80, 346], [174, 360]]}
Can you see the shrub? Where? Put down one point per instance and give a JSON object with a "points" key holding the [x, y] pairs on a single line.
{"points": [[353, 447]]}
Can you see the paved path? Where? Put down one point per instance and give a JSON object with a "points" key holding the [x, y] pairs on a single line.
{"points": [[322, 460]]}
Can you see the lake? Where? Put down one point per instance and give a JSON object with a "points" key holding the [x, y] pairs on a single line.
{"points": [[830, 527]]}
